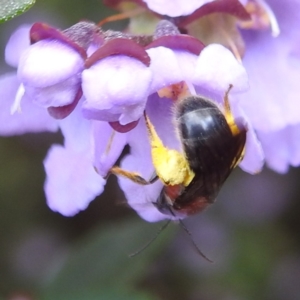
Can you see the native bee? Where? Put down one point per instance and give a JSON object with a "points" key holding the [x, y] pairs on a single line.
{"points": [[213, 144]]}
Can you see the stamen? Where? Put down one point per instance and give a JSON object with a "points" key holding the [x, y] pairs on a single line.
{"points": [[108, 146], [16, 107], [232, 45], [124, 15]]}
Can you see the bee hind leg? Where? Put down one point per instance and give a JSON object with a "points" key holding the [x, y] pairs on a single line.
{"points": [[133, 176]]}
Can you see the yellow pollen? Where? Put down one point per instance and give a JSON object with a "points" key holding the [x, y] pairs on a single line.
{"points": [[170, 165]]}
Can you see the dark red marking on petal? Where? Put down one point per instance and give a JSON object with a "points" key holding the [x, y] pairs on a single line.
{"points": [[232, 7], [61, 112], [123, 128], [178, 42], [42, 31], [119, 46]]}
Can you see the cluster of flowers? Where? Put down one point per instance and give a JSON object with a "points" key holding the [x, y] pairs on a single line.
{"points": [[94, 86]]}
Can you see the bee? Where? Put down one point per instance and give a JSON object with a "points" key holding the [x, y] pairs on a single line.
{"points": [[213, 144]]}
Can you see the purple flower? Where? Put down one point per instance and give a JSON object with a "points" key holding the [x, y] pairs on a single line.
{"points": [[111, 94], [50, 69], [50, 73], [273, 67], [100, 83], [30, 118], [72, 182]]}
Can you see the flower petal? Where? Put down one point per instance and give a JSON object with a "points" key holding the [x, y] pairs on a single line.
{"points": [[170, 66], [217, 68], [72, 183], [60, 94], [77, 132], [18, 42], [175, 8], [31, 118], [254, 157], [273, 66], [109, 145], [282, 147], [107, 86], [47, 63]]}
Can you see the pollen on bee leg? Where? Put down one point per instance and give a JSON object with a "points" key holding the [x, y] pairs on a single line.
{"points": [[170, 165], [176, 91]]}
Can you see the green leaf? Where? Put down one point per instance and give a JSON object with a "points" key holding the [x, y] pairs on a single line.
{"points": [[12, 8], [102, 260]]}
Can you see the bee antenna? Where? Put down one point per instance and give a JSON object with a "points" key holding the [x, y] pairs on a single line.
{"points": [[162, 228], [193, 242]]}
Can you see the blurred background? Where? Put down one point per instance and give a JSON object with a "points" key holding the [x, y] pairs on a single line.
{"points": [[252, 232]]}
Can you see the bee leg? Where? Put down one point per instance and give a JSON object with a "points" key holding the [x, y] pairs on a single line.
{"points": [[228, 113], [153, 178], [133, 176], [170, 165], [231, 121]]}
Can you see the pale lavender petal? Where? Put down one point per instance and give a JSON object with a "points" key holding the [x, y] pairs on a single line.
{"points": [[254, 157], [175, 8], [273, 66], [140, 198], [123, 114], [282, 147], [77, 131], [107, 83], [164, 66], [47, 63], [109, 88], [107, 115], [60, 94], [187, 62], [217, 68], [31, 118], [109, 145], [72, 182], [17, 43]]}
